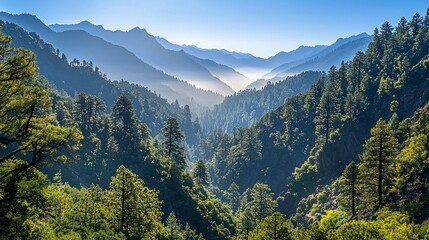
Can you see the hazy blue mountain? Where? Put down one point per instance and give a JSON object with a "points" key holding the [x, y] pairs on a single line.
{"points": [[343, 49], [231, 77], [302, 52], [116, 61], [147, 48], [238, 55], [258, 84], [225, 57], [344, 53], [275, 67]]}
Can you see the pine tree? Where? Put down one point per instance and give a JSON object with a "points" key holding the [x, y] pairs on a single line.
{"points": [[329, 109], [234, 196], [87, 110], [273, 227], [28, 128], [348, 192], [131, 135], [246, 223], [376, 163], [123, 111], [173, 143], [136, 208], [173, 227], [262, 203], [200, 172], [355, 101], [190, 234], [251, 145]]}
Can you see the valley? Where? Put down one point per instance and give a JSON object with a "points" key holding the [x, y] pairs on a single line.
{"points": [[114, 134]]}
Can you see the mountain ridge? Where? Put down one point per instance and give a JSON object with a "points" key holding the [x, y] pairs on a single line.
{"points": [[146, 47], [117, 62]]}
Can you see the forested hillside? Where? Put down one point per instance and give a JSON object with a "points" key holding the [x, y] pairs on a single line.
{"points": [[73, 77], [341, 155], [247, 107], [306, 144], [41, 129]]}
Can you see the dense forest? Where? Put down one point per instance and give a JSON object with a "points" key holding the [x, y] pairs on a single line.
{"points": [[83, 157], [246, 107]]}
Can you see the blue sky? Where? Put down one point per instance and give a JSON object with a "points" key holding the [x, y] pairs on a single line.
{"points": [[260, 27]]}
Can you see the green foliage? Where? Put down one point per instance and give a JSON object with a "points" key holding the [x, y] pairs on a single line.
{"points": [[246, 107], [315, 232], [200, 172], [329, 109], [303, 145], [359, 230], [395, 225], [333, 220], [348, 188], [136, 208], [262, 203], [173, 227], [376, 165], [272, 227], [27, 125], [173, 147]]}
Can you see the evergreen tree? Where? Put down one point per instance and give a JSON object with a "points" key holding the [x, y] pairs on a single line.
{"points": [[376, 163], [190, 234], [136, 208], [200, 172], [355, 101], [252, 146], [123, 111], [131, 135], [173, 227], [329, 109], [234, 196], [348, 183], [262, 203], [28, 128], [173, 143], [274, 227], [87, 110], [246, 223]]}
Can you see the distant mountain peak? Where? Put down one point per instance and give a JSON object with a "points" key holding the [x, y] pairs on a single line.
{"points": [[89, 24], [351, 38]]}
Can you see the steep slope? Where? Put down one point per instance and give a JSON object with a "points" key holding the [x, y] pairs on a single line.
{"points": [[115, 61], [307, 142], [247, 107], [73, 79], [145, 47], [105, 146]]}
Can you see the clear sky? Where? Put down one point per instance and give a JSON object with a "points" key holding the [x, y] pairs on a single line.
{"points": [[260, 27]]}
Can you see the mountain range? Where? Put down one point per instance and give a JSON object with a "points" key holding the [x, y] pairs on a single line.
{"points": [[277, 67], [189, 74], [115, 61], [334, 155], [147, 48]]}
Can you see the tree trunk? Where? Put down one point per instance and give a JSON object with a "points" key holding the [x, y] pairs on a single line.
{"points": [[380, 172], [353, 193]]}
